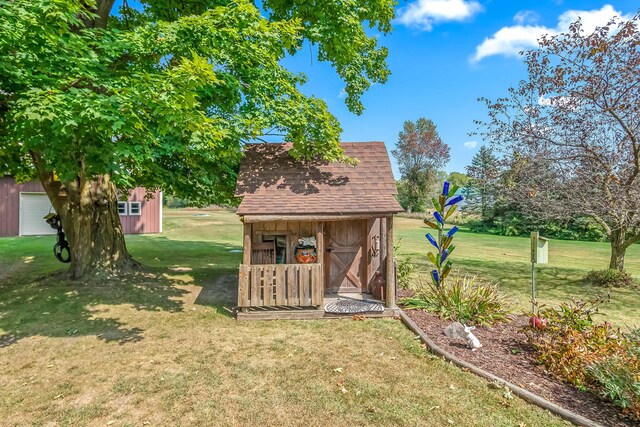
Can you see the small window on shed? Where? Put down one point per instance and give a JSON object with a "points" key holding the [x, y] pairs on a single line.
{"points": [[122, 208], [135, 208], [281, 247]]}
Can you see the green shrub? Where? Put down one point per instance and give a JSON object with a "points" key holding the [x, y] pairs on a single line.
{"points": [[403, 270], [175, 202], [609, 278], [507, 222], [576, 315], [618, 382], [465, 299], [480, 226], [633, 337]]}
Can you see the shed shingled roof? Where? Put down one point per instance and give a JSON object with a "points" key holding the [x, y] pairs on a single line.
{"points": [[271, 182]]}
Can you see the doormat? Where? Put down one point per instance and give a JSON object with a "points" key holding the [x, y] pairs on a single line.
{"points": [[350, 306]]}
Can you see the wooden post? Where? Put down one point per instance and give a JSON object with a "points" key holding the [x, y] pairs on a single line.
{"points": [[367, 254], [246, 254], [244, 299], [245, 284], [390, 289], [320, 260]]}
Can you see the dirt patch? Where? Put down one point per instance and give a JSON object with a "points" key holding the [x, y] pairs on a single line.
{"points": [[221, 290], [506, 354]]}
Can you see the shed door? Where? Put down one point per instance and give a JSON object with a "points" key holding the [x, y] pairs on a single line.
{"points": [[344, 257], [33, 207]]}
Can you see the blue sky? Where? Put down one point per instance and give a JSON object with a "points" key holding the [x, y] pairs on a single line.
{"points": [[443, 55]]}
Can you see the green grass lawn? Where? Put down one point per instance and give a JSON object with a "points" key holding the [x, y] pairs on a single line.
{"points": [[162, 349], [505, 260]]}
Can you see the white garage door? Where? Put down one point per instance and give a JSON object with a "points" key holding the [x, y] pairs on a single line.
{"points": [[33, 207]]}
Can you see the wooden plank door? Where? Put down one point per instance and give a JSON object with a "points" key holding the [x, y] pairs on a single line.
{"points": [[345, 257]]}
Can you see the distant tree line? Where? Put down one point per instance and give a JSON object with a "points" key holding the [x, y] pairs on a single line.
{"points": [[494, 187], [494, 198]]}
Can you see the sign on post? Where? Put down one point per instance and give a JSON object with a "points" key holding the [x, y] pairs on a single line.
{"points": [[539, 255]]}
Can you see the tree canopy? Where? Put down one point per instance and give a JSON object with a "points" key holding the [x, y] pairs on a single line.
{"points": [[164, 95], [574, 127], [421, 154], [484, 172]]}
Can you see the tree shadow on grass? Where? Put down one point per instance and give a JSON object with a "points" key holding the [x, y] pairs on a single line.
{"points": [[54, 306], [211, 266]]}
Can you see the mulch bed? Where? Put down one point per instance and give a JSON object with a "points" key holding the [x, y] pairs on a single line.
{"points": [[506, 354]]}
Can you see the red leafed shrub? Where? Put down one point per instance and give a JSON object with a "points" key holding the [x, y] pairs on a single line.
{"points": [[593, 356]]}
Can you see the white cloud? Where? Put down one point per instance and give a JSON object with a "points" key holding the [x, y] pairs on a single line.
{"points": [[423, 14], [557, 101], [471, 144], [526, 17], [590, 18], [342, 94], [544, 101], [510, 41]]}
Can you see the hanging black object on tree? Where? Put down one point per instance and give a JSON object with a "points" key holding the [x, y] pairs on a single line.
{"points": [[61, 248]]}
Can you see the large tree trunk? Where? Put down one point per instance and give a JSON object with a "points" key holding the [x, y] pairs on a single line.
{"points": [[89, 214], [92, 225], [618, 249]]}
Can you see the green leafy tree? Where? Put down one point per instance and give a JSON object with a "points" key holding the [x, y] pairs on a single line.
{"points": [[458, 179], [484, 174], [94, 103], [411, 195], [421, 154]]}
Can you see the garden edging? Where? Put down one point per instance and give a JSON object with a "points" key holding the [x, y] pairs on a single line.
{"points": [[519, 391]]}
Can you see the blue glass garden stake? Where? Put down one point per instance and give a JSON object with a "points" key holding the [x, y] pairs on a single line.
{"points": [[432, 241], [443, 243]]}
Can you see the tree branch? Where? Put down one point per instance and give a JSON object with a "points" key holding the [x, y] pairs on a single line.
{"points": [[51, 186], [603, 224]]}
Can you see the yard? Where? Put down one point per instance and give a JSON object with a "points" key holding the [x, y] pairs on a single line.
{"points": [[162, 349], [505, 260]]}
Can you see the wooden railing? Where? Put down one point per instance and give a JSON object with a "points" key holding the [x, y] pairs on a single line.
{"points": [[280, 285]]}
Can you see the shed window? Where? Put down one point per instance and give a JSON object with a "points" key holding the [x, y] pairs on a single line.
{"points": [[281, 247], [135, 208], [122, 208]]}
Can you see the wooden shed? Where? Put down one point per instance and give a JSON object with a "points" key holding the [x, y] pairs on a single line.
{"points": [[315, 231]]}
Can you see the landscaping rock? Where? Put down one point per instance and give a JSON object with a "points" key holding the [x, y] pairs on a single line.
{"points": [[455, 331]]}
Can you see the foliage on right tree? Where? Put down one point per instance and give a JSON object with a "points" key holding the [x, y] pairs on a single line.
{"points": [[574, 126], [420, 153]]}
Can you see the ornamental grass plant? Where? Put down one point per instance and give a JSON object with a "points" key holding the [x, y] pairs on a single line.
{"points": [[466, 299]]}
